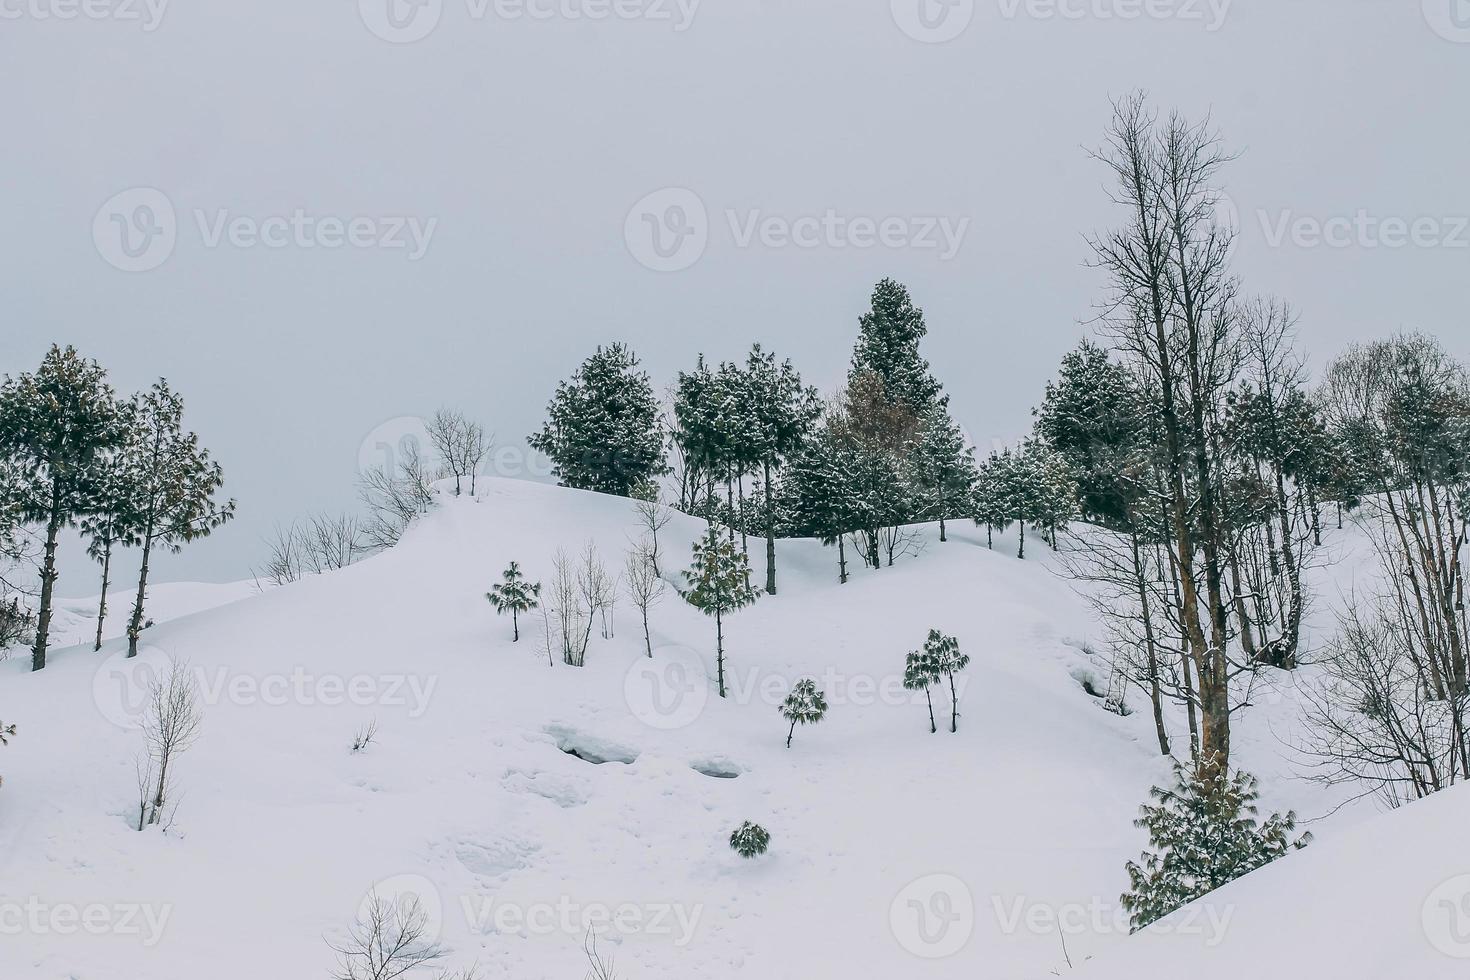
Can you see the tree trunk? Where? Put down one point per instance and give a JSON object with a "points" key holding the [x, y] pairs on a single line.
{"points": [[135, 623], [515, 626], [841, 561], [1022, 553], [1154, 692], [647, 640], [954, 700], [933, 728], [102, 602], [48, 582], [770, 535], [791, 734], [720, 651]]}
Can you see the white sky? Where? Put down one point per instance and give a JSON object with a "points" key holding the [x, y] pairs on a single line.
{"points": [[529, 140]]}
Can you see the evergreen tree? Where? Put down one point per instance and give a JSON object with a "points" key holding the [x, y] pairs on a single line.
{"points": [[750, 840], [719, 584], [1034, 486], [56, 427], [942, 657], [805, 705], [1203, 833], [888, 346], [989, 502], [603, 430], [942, 468], [172, 481], [783, 412], [111, 510], [514, 595], [819, 495], [920, 674]]}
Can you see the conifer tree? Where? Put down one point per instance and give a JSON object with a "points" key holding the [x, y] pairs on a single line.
{"points": [[750, 840], [942, 657], [514, 595], [103, 528], [603, 430], [783, 412], [819, 495], [919, 674], [989, 500], [173, 482], [1203, 832], [56, 426], [943, 468], [719, 584], [888, 346], [805, 705]]}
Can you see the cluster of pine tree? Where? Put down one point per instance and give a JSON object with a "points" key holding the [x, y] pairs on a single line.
{"points": [[123, 470]]}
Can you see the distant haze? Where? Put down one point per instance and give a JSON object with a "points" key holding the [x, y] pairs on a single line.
{"points": [[316, 218]]}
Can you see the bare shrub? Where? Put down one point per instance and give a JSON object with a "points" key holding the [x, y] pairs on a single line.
{"points": [[365, 736], [461, 445], [394, 499], [170, 726], [643, 584], [579, 594], [389, 941]]}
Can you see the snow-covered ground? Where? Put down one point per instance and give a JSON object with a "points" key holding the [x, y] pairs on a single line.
{"points": [[994, 852]]}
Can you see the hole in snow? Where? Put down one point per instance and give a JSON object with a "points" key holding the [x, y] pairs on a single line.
{"points": [[717, 768], [590, 748]]}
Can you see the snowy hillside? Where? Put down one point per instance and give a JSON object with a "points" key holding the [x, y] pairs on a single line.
{"points": [[524, 802]]}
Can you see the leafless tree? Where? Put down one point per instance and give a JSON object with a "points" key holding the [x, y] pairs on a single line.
{"points": [[597, 590], [390, 940], [654, 515], [578, 595], [365, 736], [171, 725], [644, 585], [598, 967], [461, 446], [394, 499]]}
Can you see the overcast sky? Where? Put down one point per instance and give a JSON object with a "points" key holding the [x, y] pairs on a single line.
{"points": [[181, 179]]}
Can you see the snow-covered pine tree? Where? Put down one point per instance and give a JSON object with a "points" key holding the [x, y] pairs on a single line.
{"points": [[1203, 833], [173, 482], [719, 584], [942, 468], [111, 511], [783, 413], [750, 840], [604, 431], [943, 657], [805, 705], [56, 426], [888, 346], [988, 502], [818, 495], [919, 674], [515, 595]]}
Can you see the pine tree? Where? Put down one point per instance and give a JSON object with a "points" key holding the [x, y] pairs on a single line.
{"points": [[515, 595], [1203, 833], [719, 584], [888, 346], [111, 510], [989, 503], [919, 674], [943, 468], [819, 495], [56, 426], [805, 705], [783, 412], [603, 430], [173, 482], [750, 840], [942, 657]]}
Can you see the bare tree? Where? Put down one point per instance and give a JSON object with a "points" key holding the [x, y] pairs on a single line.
{"points": [[598, 967], [365, 736], [394, 499], [461, 446], [644, 585], [654, 515], [578, 595], [390, 940], [170, 726], [598, 591]]}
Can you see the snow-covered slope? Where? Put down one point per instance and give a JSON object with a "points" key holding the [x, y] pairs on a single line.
{"points": [[895, 852]]}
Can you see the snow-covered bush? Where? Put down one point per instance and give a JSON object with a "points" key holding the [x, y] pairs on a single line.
{"points": [[750, 840]]}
